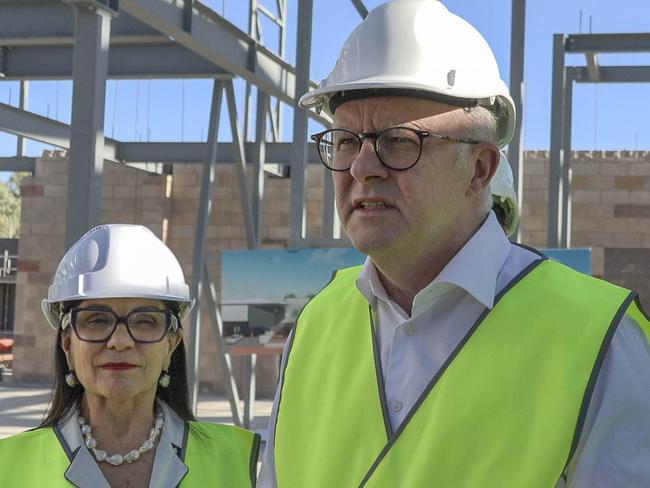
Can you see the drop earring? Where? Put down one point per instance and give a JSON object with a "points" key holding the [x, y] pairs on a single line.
{"points": [[71, 379], [164, 379]]}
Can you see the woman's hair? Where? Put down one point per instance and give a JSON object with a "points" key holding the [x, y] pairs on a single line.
{"points": [[64, 398]]}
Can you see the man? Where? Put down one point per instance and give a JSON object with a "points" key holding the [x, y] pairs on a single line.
{"points": [[451, 358]]}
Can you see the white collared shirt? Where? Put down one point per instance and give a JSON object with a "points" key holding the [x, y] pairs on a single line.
{"points": [[168, 469], [614, 448]]}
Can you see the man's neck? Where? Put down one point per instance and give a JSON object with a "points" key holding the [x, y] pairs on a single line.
{"points": [[404, 274]]}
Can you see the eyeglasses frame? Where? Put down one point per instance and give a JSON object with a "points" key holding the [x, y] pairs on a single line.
{"points": [[422, 135], [70, 319]]}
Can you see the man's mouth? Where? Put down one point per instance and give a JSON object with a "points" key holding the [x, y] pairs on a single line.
{"points": [[371, 205]]}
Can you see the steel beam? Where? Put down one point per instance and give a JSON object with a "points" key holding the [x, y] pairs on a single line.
{"points": [[278, 153], [565, 236], [48, 131], [516, 147], [232, 391], [205, 203], [608, 43], [18, 163], [90, 66], [33, 126], [125, 61], [615, 74], [240, 162], [260, 161], [361, 8], [52, 22], [220, 42], [556, 151], [22, 105], [299, 148]]}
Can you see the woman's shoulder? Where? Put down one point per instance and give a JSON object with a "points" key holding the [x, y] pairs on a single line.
{"points": [[220, 430], [29, 438]]}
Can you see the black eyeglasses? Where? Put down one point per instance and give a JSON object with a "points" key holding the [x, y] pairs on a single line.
{"points": [[98, 324], [397, 148]]}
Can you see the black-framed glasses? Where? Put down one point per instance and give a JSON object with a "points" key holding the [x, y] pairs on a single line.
{"points": [[397, 148], [97, 324]]}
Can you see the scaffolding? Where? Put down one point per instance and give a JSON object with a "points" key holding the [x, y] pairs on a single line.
{"points": [[559, 211], [92, 41]]}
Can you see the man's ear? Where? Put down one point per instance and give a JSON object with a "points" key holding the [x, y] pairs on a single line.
{"points": [[486, 161]]}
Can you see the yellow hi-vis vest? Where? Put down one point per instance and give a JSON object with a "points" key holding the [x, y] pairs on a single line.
{"points": [[216, 455], [505, 410]]}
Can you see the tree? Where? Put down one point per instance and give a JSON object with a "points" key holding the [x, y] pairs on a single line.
{"points": [[10, 205]]}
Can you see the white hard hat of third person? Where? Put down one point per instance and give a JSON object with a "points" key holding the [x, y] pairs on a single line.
{"points": [[417, 48], [504, 197]]}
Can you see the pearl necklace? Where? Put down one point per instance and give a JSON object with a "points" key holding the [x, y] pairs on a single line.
{"points": [[117, 459]]}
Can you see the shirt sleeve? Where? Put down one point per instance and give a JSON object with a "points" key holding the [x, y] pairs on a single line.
{"points": [[267, 477], [614, 448]]}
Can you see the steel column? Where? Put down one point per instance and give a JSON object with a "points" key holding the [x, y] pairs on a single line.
{"points": [[299, 148], [565, 238], [250, 362], [205, 203], [260, 161], [232, 391], [331, 225], [90, 67], [22, 105], [556, 152], [238, 145], [361, 8], [516, 147]]}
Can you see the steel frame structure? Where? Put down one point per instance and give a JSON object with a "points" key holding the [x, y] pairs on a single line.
{"points": [[559, 211], [162, 39]]}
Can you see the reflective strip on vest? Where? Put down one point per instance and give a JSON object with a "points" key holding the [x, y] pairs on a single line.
{"points": [[216, 455], [505, 411]]}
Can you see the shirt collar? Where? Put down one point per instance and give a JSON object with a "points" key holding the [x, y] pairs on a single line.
{"points": [[168, 466], [474, 268]]}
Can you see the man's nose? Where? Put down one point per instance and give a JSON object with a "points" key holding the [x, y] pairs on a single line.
{"points": [[367, 167]]}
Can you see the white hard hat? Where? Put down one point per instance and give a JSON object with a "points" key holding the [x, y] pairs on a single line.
{"points": [[504, 195], [117, 261], [418, 48]]}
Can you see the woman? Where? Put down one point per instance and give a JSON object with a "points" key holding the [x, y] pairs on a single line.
{"points": [[119, 414]]}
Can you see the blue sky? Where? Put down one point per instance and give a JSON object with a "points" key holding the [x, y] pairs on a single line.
{"points": [[605, 116]]}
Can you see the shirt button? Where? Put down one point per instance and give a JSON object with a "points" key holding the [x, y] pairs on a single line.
{"points": [[409, 330], [396, 405]]}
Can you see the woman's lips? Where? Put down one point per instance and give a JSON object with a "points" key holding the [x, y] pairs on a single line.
{"points": [[118, 366]]}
